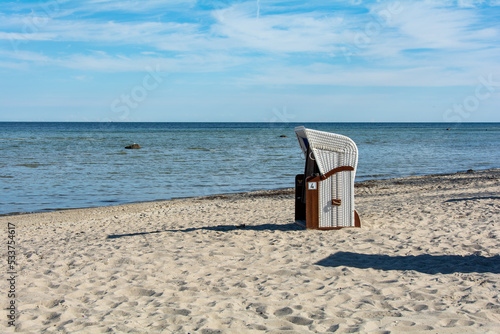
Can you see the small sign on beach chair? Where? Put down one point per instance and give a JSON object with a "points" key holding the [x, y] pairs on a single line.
{"points": [[324, 194]]}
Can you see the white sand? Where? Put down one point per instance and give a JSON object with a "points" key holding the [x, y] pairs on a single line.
{"points": [[425, 259]]}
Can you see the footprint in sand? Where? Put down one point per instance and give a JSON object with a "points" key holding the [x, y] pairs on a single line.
{"points": [[283, 312], [299, 320]]}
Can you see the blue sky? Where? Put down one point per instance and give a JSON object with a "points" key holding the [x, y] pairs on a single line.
{"points": [[266, 61]]}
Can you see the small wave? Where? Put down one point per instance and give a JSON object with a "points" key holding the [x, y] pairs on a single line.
{"points": [[32, 165], [199, 148], [72, 138], [14, 138]]}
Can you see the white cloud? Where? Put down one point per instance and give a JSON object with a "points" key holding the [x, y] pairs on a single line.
{"points": [[58, 8], [13, 65], [302, 32], [25, 56], [430, 25], [83, 77], [142, 33], [102, 61], [334, 75], [17, 38], [432, 42], [134, 6]]}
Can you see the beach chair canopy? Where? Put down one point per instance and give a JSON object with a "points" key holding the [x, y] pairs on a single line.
{"points": [[329, 150]]}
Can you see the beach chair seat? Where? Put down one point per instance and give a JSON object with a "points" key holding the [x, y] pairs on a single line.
{"points": [[324, 194]]}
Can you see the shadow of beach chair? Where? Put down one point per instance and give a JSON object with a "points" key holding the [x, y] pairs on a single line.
{"points": [[324, 194]]}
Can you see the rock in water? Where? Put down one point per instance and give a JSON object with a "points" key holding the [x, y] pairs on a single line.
{"points": [[133, 147]]}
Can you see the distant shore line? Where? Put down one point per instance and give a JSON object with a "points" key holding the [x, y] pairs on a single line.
{"points": [[255, 193]]}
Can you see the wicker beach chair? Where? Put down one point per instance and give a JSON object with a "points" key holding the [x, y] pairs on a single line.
{"points": [[324, 194]]}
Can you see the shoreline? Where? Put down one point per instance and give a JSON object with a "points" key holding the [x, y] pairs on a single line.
{"points": [[426, 258], [291, 190]]}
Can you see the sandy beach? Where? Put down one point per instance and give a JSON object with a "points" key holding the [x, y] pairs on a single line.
{"points": [[426, 259]]}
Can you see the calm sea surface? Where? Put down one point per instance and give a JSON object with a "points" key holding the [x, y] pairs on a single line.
{"points": [[47, 166]]}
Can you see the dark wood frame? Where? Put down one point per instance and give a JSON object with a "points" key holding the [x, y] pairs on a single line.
{"points": [[310, 209]]}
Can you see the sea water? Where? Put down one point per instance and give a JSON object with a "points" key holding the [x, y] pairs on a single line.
{"points": [[47, 166]]}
